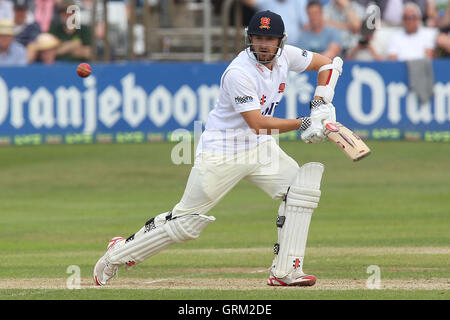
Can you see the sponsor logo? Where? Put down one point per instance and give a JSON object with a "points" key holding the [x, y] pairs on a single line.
{"points": [[332, 127], [243, 99], [269, 111], [265, 23], [281, 87], [305, 53], [150, 225], [296, 263], [276, 248], [263, 100], [130, 238]]}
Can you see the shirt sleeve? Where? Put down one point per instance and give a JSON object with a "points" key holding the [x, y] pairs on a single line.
{"points": [[241, 90], [298, 59]]}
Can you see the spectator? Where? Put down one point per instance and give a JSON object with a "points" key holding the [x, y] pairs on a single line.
{"points": [[75, 42], [45, 49], [293, 13], [391, 11], [364, 50], [26, 29], [346, 16], [11, 52], [6, 9], [317, 36], [414, 41], [43, 13]]}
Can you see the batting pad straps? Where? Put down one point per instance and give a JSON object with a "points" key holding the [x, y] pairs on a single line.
{"points": [[165, 231]]}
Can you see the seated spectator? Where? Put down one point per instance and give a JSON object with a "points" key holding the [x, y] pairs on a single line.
{"points": [[26, 28], [75, 42], [11, 52], [44, 50], [391, 11], [364, 50], [414, 41], [346, 16], [317, 36]]}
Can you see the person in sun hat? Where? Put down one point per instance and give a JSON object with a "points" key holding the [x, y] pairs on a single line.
{"points": [[44, 50]]}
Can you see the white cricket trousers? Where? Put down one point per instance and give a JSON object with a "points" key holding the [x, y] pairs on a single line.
{"points": [[214, 175]]}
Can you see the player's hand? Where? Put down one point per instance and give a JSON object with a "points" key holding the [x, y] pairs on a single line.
{"points": [[321, 111], [314, 133]]}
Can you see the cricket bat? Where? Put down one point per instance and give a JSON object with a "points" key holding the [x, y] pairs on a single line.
{"points": [[344, 138], [352, 145]]}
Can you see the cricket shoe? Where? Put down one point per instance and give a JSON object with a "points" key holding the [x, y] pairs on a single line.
{"points": [[104, 269], [292, 279]]}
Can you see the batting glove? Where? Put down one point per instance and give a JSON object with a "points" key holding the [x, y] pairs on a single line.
{"points": [[312, 130], [323, 111], [313, 126]]}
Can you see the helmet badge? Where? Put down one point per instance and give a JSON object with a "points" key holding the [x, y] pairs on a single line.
{"points": [[265, 23]]}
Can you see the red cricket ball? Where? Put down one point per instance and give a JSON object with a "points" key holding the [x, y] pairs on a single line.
{"points": [[84, 70]]}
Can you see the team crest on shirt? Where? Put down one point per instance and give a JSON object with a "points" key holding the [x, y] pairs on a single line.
{"points": [[281, 87], [265, 23]]}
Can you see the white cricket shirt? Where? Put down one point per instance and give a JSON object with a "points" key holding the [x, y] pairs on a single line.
{"points": [[248, 85], [412, 46]]}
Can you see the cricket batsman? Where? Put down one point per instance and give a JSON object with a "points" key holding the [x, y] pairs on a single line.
{"points": [[238, 130]]}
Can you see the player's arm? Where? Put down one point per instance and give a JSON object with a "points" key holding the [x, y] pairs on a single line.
{"points": [[328, 72], [269, 125], [317, 62], [322, 110]]}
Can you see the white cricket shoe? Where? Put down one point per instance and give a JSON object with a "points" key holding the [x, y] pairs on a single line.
{"points": [[292, 279], [105, 270]]}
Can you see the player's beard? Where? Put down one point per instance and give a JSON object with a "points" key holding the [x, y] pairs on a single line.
{"points": [[266, 55]]}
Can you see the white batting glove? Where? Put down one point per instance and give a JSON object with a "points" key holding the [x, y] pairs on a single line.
{"points": [[312, 130], [323, 111], [313, 127]]}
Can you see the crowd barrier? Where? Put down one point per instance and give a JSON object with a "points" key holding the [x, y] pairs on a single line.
{"points": [[137, 102]]}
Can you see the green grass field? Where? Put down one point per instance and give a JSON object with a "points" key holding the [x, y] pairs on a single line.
{"points": [[59, 206]]}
